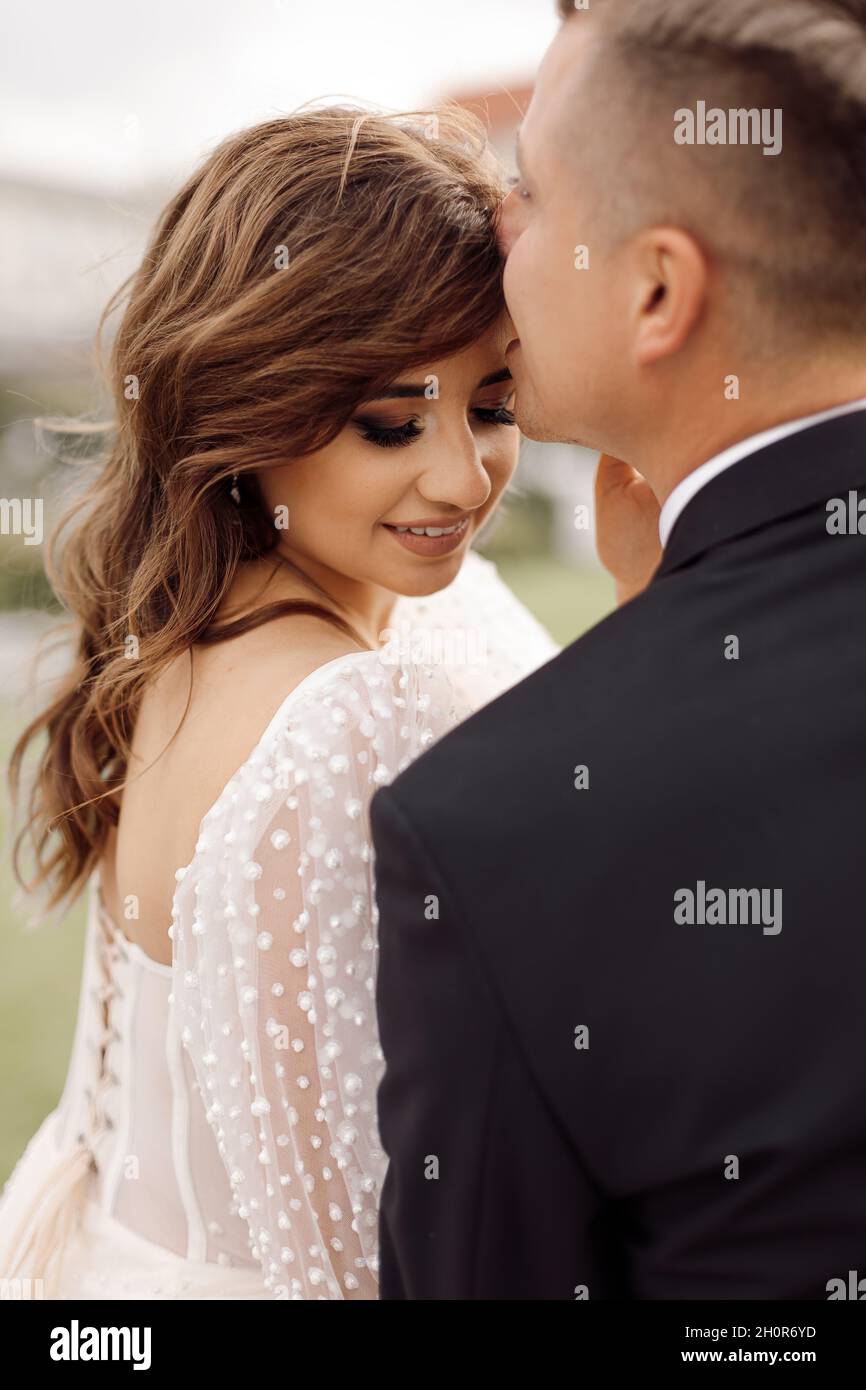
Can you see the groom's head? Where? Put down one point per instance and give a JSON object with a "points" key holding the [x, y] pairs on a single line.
{"points": [[691, 204]]}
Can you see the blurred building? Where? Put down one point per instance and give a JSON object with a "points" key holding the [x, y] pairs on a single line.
{"points": [[64, 250]]}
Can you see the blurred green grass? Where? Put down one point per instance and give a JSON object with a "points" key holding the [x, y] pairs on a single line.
{"points": [[40, 971], [40, 968], [567, 601]]}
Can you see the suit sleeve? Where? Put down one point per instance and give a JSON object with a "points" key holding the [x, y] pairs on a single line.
{"points": [[483, 1196]]}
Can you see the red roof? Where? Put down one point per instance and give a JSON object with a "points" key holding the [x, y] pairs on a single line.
{"points": [[501, 109]]}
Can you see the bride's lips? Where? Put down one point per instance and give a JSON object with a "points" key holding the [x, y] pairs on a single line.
{"points": [[429, 545]]}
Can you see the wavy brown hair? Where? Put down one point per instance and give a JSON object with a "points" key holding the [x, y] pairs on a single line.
{"points": [[304, 265]]}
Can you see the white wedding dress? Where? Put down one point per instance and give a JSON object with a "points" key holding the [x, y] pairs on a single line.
{"points": [[217, 1135]]}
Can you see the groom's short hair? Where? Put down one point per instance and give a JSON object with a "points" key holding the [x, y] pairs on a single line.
{"points": [[794, 224]]}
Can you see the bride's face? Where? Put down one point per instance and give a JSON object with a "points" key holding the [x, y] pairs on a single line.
{"points": [[436, 450]]}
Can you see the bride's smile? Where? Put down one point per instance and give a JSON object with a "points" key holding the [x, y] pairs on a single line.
{"points": [[429, 538]]}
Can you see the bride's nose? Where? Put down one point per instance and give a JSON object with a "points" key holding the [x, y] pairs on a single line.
{"points": [[457, 477]]}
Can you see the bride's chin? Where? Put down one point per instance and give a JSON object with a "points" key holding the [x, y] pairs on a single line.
{"points": [[428, 578]]}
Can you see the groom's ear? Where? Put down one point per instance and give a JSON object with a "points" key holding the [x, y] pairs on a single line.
{"points": [[671, 279]]}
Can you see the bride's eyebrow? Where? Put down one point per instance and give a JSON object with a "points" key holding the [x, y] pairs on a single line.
{"points": [[400, 391], [502, 375], [412, 389]]}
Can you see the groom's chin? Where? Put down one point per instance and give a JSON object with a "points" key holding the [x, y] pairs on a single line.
{"points": [[534, 424]]}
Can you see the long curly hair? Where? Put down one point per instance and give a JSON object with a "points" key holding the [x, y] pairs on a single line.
{"points": [[305, 264]]}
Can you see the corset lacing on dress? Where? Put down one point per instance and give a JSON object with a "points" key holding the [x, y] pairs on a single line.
{"points": [[48, 1221]]}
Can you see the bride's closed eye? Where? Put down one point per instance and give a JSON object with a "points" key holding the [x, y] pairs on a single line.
{"points": [[388, 436], [495, 414], [397, 436]]}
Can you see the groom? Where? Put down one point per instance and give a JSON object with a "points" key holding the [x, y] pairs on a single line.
{"points": [[623, 908]]}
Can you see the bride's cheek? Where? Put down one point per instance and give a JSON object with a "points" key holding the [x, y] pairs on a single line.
{"points": [[506, 463]]}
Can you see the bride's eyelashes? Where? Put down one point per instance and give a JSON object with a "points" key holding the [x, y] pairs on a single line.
{"points": [[495, 415], [397, 436], [389, 436]]}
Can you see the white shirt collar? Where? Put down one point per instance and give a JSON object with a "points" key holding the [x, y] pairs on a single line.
{"points": [[692, 484]]}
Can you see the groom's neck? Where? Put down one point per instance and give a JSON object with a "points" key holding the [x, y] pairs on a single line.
{"points": [[706, 420]]}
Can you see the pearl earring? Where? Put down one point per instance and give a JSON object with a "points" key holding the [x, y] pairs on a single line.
{"points": [[235, 492]]}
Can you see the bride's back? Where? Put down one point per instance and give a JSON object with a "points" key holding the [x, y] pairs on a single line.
{"points": [[180, 761]]}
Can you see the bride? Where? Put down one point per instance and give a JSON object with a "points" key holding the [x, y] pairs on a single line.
{"points": [[313, 423], [276, 608]]}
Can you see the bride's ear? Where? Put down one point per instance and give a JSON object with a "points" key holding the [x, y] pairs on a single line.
{"points": [[671, 288]]}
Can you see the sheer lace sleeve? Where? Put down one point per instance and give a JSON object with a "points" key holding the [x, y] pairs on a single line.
{"points": [[274, 969]]}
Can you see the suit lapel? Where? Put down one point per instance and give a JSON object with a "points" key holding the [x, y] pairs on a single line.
{"points": [[790, 476]]}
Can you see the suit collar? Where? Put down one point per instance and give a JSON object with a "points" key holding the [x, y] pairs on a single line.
{"points": [[779, 480]]}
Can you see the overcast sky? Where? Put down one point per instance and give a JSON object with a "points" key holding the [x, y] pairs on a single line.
{"points": [[110, 92]]}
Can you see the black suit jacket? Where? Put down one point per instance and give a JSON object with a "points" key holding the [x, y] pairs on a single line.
{"points": [[706, 1137]]}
